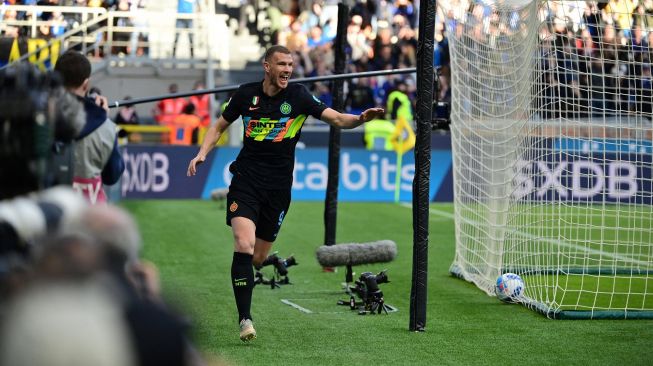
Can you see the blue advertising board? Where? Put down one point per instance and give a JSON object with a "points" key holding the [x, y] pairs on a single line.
{"points": [[585, 170], [569, 172], [160, 172], [604, 177]]}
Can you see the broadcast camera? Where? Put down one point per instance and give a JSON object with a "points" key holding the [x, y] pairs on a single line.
{"points": [[441, 119], [441, 112], [38, 120], [367, 289], [280, 276]]}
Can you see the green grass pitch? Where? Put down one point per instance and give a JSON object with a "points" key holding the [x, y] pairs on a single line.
{"points": [[190, 243]]}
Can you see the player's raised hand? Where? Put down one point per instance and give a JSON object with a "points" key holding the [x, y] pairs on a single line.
{"points": [[372, 113]]}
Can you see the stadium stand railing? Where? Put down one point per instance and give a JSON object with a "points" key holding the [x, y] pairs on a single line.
{"points": [[120, 38]]}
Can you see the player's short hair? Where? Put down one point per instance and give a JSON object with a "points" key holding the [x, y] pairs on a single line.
{"points": [[274, 49], [74, 68]]}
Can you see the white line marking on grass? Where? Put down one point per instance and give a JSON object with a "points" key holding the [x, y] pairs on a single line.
{"points": [[547, 240], [303, 310]]}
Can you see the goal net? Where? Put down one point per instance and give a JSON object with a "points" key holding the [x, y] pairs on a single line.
{"points": [[551, 133]]}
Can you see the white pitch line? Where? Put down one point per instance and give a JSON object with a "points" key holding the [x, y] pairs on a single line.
{"points": [[303, 310], [547, 240]]}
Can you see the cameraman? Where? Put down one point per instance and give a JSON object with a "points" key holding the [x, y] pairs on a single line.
{"points": [[97, 160], [38, 120]]}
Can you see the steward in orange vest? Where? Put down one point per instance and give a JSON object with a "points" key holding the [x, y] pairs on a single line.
{"points": [[183, 126]]}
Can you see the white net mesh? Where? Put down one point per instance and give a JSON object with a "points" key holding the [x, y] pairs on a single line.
{"points": [[551, 134]]}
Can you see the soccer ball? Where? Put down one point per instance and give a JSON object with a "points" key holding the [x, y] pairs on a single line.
{"points": [[509, 287]]}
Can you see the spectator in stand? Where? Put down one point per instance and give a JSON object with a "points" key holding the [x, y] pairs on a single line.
{"points": [[201, 103], [407, 54], [357, 40], [638, 43], [649, 51], [139, 20], [406, 9], [184, 8], [9, 30], [311, 17], [59, 25], [316, 38], [97, 159], [184, 128], [591, 20], [122, 38], [322, 91], [644, 15], [384, 59], [360, 96], [386, 85], [295, 40], [302, 64], [399, 104], [619, 13], [645, 90], [127, 116], [366, 10], [383, 37], [167, 109]]}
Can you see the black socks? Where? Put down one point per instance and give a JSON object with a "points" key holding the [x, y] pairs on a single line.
{"points": [[242, 281]]}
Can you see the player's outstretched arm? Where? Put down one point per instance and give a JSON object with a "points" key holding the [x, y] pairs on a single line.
{"points": [[347, 121], [211, 138]]}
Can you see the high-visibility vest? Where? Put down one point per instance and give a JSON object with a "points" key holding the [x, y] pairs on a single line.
{"points": [[201, 103], [181, 129], [378, 133], [405, 108], [169, 109]]}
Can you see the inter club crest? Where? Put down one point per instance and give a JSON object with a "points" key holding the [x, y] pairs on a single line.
{"points": [[233, 207], [285, 108]]}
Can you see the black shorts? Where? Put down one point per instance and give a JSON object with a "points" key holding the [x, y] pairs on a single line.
{"points": [[266, 207]]}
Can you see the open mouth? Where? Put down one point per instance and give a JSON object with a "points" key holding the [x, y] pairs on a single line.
{"points": [[284, 78]]}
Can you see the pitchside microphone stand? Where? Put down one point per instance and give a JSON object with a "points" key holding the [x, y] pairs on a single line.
{"points": [[367, 286]]}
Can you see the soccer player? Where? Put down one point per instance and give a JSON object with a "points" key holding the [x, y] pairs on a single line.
{"points": [[273, 113]]}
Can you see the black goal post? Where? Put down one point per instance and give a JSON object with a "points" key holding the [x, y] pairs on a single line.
{"points": [[421, 197]]}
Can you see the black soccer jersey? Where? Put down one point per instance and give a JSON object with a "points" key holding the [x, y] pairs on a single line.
{"points": [[272, 126]]}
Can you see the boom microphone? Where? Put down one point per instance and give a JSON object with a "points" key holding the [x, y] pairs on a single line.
{"points": [[352, 254]]}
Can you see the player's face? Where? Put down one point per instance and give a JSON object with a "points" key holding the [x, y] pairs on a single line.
{"points": [[279, 69]]}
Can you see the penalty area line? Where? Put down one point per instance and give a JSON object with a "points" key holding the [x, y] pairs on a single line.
{"points": [[302, 309]]}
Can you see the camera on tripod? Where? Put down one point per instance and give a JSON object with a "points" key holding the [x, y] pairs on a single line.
{"points": [[441, 116], [367, 289], [441, 112], [280, 265]]}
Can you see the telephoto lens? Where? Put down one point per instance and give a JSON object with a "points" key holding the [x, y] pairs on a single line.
{"points": [[281, 267], [290, 261]]}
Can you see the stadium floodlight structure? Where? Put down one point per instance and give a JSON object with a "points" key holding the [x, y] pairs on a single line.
{"points": [[551, 135]]}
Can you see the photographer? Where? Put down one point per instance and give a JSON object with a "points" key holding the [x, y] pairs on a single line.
{"points": [[97, 160]]}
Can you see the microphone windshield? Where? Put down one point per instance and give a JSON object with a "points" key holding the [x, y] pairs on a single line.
{"points": [[356, 253]]}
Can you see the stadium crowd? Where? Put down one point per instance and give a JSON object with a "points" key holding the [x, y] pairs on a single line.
{"points": [[601, 61]]}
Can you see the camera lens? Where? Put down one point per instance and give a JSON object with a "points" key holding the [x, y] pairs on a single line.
{"points": [[290, 261]]}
